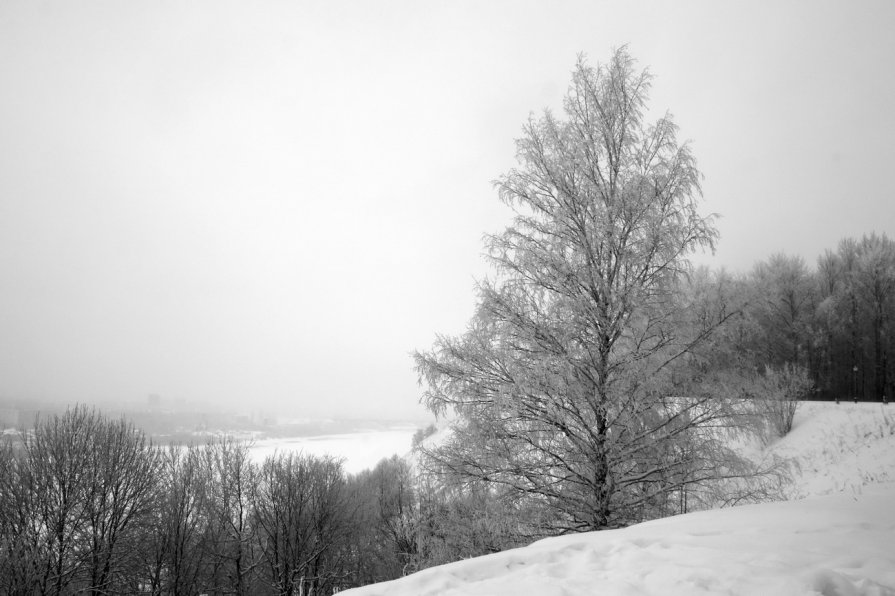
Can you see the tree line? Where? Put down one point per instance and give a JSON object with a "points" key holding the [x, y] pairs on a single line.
{"points": [[835, 319], [89, 505]]}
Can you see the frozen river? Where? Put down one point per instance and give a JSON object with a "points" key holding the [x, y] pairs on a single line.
{"points": [[360, 450]]}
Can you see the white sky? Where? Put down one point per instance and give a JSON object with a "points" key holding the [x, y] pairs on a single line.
{"points": [[273, 204]]}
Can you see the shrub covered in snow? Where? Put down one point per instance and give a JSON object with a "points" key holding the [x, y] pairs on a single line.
{"points": [[779, 391]]}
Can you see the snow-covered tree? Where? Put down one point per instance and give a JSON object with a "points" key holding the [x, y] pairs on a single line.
{"points": [[876, 279], [784, 304], [855, 313], [567, 382]]}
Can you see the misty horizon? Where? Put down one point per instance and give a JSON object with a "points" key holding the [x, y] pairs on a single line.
{"points": [[272, 206]]}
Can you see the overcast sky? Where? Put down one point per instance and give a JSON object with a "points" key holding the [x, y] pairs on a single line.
{"points": [[273, 204]]}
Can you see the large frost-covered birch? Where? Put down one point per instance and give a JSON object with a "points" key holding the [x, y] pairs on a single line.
{"points": [[568, 382]]}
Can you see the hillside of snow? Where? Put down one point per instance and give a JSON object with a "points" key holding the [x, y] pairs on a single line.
{"points": [[836, 539], [839, 447]]}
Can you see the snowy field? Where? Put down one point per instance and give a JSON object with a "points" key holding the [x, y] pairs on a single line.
{"points": [[839, 448], [360, 450], [837, 540]]}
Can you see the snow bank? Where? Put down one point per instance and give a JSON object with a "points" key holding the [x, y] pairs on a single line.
{"points": [[843, 545], [839, 448], [840, 544]]}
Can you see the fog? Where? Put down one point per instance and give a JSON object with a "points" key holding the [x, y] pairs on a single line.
{"points": [[271, 205]]}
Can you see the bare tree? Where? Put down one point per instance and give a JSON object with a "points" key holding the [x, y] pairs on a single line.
{"points": [[21, 556], [565, 382], [388, 511], [122, 469], [57, 450], [397, 516], [74, 500], [230, 535], [302, 518], [177, 558]]}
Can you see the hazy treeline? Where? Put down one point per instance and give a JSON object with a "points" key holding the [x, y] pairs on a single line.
{"points": [[828, 319], [89, 505]]}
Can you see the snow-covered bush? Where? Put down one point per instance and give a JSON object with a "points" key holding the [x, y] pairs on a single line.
{"points": [[779, 391]]}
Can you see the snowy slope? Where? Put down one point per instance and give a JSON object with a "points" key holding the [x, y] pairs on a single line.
{"points": [[839, 448], [842, 543]]}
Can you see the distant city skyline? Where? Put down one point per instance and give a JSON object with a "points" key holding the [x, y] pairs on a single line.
{"points": [[276, 203]]}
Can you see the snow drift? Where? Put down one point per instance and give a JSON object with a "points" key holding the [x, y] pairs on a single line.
{"points": [[839, 544]]}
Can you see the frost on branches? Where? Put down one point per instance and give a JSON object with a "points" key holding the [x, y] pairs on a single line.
{"points": [[566, 385]]}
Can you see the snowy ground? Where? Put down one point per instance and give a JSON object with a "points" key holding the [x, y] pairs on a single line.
{"points": [[358, 450], [837, 541], [839, 448]]}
